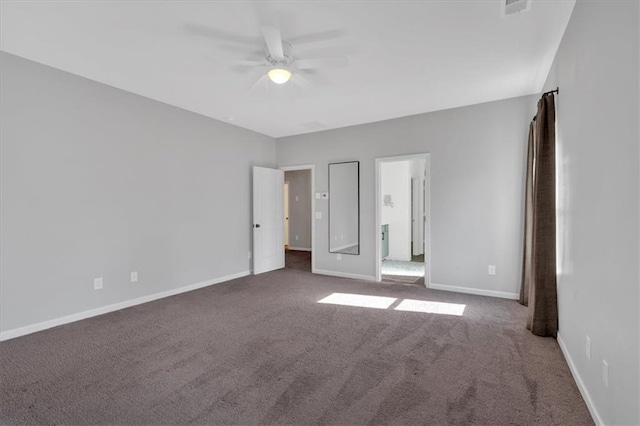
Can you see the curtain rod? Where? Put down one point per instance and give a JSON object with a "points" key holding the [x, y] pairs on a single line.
{"points": [[557, 91]]}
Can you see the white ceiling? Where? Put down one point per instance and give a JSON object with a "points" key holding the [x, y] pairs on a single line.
{"points": [[405, 58]]}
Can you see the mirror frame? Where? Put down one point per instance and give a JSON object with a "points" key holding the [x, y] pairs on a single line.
{"points": [[329, 207]]}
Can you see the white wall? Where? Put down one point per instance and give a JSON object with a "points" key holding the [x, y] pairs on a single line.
{"points": [[596, 69], [299, 208], [477, 172], [98, 182], [396, 182], [418, 168]]}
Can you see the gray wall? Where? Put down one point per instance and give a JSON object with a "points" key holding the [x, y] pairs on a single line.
{"points": [[98, 182], [596, 68], [477, 158], [299, 208]]}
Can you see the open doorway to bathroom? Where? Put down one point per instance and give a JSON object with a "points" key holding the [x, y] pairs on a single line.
{"points": [[402, 194]]}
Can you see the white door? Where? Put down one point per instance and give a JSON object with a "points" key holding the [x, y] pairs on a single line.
{"points": [[268, 220], [286, 213]]}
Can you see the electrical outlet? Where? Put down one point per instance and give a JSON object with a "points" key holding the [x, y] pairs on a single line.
{"points": [[588, 348], [297, 238], [492, 269], [134, 277], [249, 255], [97, 284], [338, 256], [605, 373]]}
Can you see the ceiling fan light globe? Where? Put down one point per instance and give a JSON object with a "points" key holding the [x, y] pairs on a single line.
{"points": [[279, 75]]}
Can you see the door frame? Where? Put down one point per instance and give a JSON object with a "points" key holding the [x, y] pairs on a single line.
{"points": [[312, 168], [427, 211]]}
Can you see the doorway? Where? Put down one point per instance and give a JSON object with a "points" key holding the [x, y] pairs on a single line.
{"points": [[299, 226], [402, 218]]}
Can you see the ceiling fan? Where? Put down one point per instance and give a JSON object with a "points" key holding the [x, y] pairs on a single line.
{"points": [[280, 64]]}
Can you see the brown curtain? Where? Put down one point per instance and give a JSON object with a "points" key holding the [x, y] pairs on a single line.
{"points": [[528, 220], [538, 289]]}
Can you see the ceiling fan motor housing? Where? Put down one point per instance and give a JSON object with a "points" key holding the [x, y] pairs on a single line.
{"points": [[281, 62]]}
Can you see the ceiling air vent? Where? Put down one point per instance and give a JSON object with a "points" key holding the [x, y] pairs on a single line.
{"points": [[314, 125], [511, 7]]}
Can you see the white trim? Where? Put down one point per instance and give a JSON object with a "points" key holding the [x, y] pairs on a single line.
{"points": [[378, 210], [299, 249], [427, 221], [344, 275], [581, 386], [311, 167], [477, 291], [22, 331]]}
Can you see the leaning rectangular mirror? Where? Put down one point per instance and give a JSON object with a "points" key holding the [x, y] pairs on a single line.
{"points": [[344, 207]]}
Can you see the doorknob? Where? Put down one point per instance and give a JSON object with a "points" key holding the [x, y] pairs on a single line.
{"points": [[257, 225]]}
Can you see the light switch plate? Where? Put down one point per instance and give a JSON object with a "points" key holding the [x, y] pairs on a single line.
{"points": [[318, 215], [318, 195]]}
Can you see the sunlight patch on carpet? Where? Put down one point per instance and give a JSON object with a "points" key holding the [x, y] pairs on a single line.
{"points": [[361, 300], [431, 307], [406, 305]]}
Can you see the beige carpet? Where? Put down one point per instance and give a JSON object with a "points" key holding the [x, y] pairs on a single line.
{"points": [[261, 350]]}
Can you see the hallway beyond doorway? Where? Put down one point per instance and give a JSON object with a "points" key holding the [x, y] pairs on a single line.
{"points": [[397, 271], [300, 260]]}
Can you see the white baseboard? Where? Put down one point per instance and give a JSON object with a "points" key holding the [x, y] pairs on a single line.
{"points": [[22, 331], [344, 275], [477, 291], [299, 249], [581, 386]]}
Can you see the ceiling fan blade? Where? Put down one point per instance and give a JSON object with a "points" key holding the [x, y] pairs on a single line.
{"points": [[245, 66], [301, 81], [274, 42], [219, 35], [330, 62], [318, 36], [262, 81], [250, 63]]}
